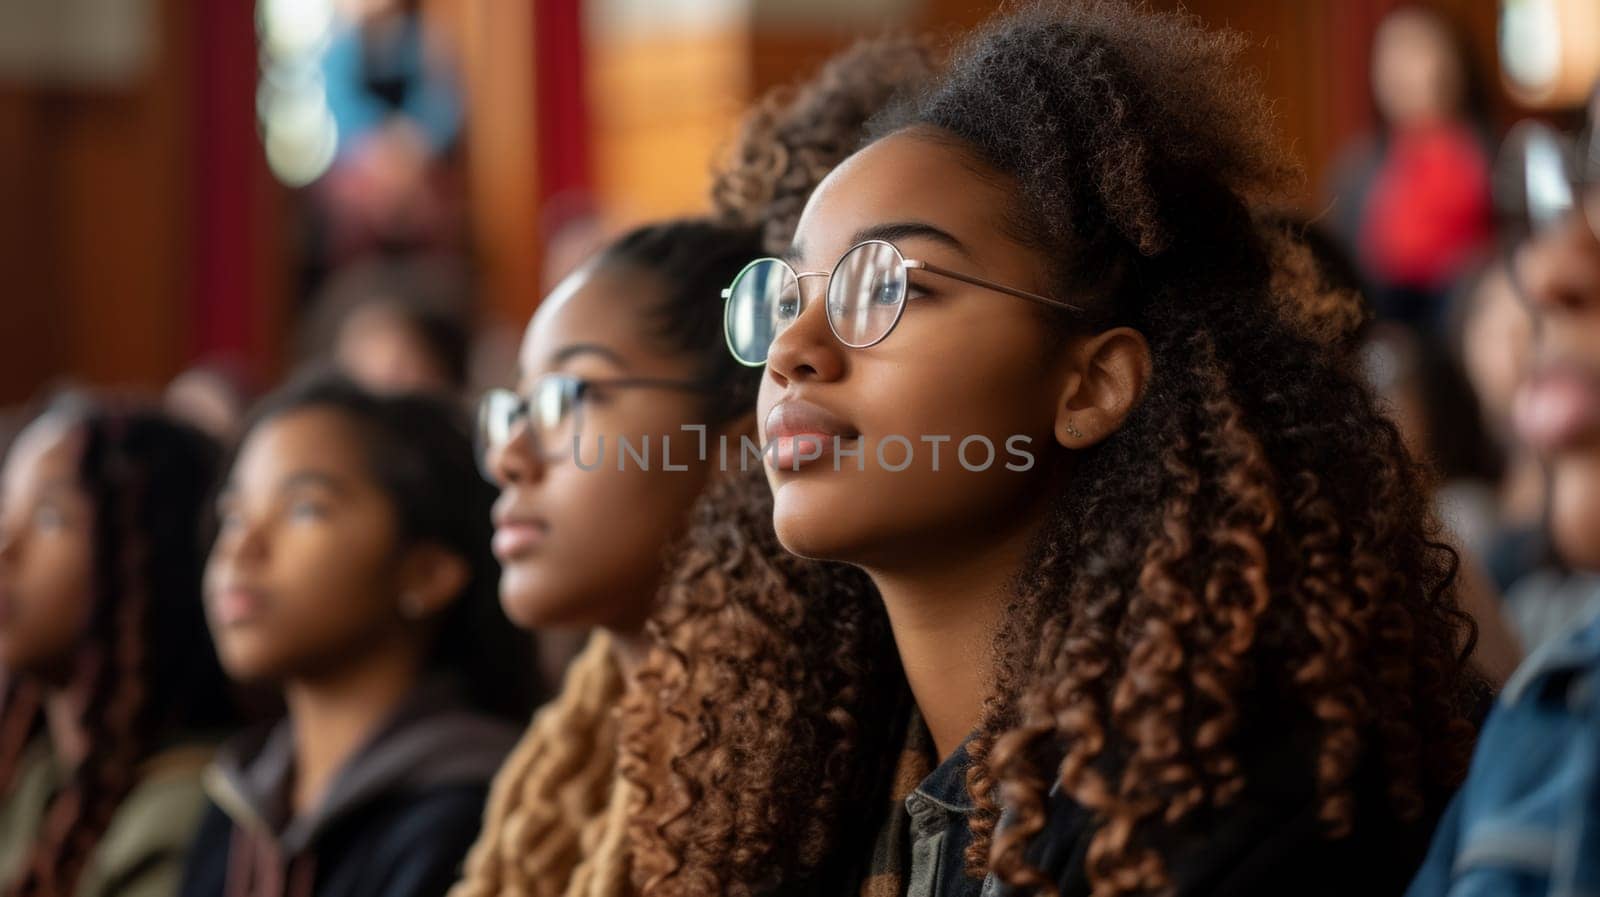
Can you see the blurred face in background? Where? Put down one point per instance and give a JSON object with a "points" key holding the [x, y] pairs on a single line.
{"points": [[1416, 72], [1557, 410], [382, 350], [1496, 342], [46, 551], [303, 577]]}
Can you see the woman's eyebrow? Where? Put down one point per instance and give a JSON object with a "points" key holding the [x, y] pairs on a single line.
{"points": [[890, 232], [313, 478], [893, 231], [568, 352]]}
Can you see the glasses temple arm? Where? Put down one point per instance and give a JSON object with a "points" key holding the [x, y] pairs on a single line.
{"points": [[990, 285]]}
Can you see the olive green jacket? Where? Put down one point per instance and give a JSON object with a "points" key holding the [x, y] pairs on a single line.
{"points": [[142, 851]]}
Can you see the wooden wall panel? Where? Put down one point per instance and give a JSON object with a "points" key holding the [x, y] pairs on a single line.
{"points": [[1311, 56], [498, 68], [98, 224], [663, 105]]}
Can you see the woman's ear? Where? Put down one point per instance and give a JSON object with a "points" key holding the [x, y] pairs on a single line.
{"points": [[1104, 377], [431, 578]]}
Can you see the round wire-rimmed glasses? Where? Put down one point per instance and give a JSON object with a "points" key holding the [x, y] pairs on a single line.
{"points": [[865, 298], [553, 411]]}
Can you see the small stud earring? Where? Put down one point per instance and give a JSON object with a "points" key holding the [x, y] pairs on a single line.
{"points": [[1073, 431]]}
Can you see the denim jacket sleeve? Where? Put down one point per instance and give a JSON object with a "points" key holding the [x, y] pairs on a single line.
{"points": [[1527, 820]]}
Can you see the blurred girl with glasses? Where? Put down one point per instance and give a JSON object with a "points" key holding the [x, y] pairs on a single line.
{"points": [[1207, 644]]}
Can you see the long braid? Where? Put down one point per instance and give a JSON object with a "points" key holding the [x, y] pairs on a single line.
{"points": [[19, 718], [114, 712], [145, 666], [548, 827]]}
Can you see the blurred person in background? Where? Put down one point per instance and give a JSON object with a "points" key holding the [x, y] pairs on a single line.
{"points": [[394, 325], [1544, 596], [590, 547], [214, 396], [351, 570], [393, 94], [1492, 336], [627, 347], [1527, 820], [113, 697], [1412, 201]]}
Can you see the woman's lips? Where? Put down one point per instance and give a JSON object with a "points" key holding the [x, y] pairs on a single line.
{"points": [[800, 433], [1558, 408], [515, 540], [237, 605]]}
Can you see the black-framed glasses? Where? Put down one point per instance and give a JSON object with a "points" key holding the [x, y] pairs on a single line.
{"points": [[865, 298], [553, 411]]}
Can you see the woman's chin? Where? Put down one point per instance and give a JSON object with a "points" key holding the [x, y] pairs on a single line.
{"points": [[812, 539], [530, 602], [1575, 510]]}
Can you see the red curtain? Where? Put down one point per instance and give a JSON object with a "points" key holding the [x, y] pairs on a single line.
{"points": [[565, 166], [227, 157]]}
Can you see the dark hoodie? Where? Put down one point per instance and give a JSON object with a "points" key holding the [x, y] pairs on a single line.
{"points": [[396, 822]]}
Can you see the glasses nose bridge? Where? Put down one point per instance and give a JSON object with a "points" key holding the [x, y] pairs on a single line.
{"points": [[820, 291]]}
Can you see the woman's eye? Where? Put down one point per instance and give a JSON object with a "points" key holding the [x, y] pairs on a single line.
{"points": [[307, 511], [886, 291], [49, 517]]}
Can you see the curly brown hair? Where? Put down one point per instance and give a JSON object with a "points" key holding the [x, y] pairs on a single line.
{"points": [[152, 676], [787, 144], [795, 135], [1274, 580]]}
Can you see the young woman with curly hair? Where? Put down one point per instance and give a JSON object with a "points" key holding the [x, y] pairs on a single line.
{"points": [[1153, 573], [113, 695], [632, 346]]}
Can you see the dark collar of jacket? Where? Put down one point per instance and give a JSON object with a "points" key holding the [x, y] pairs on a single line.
{"points": [[431, 740]]}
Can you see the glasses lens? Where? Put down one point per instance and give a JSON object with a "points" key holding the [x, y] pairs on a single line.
{"points": [[763, 301], [866, 293], [1534, 179], [497, 413], [554, 413]]}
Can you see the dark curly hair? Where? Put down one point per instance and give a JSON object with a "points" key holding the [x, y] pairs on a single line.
{"points": [[1273, 580], [787, 144], [148, 478], [795, 135]]}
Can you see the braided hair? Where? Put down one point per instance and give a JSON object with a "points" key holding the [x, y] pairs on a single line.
{"points": [[152, 675]]}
